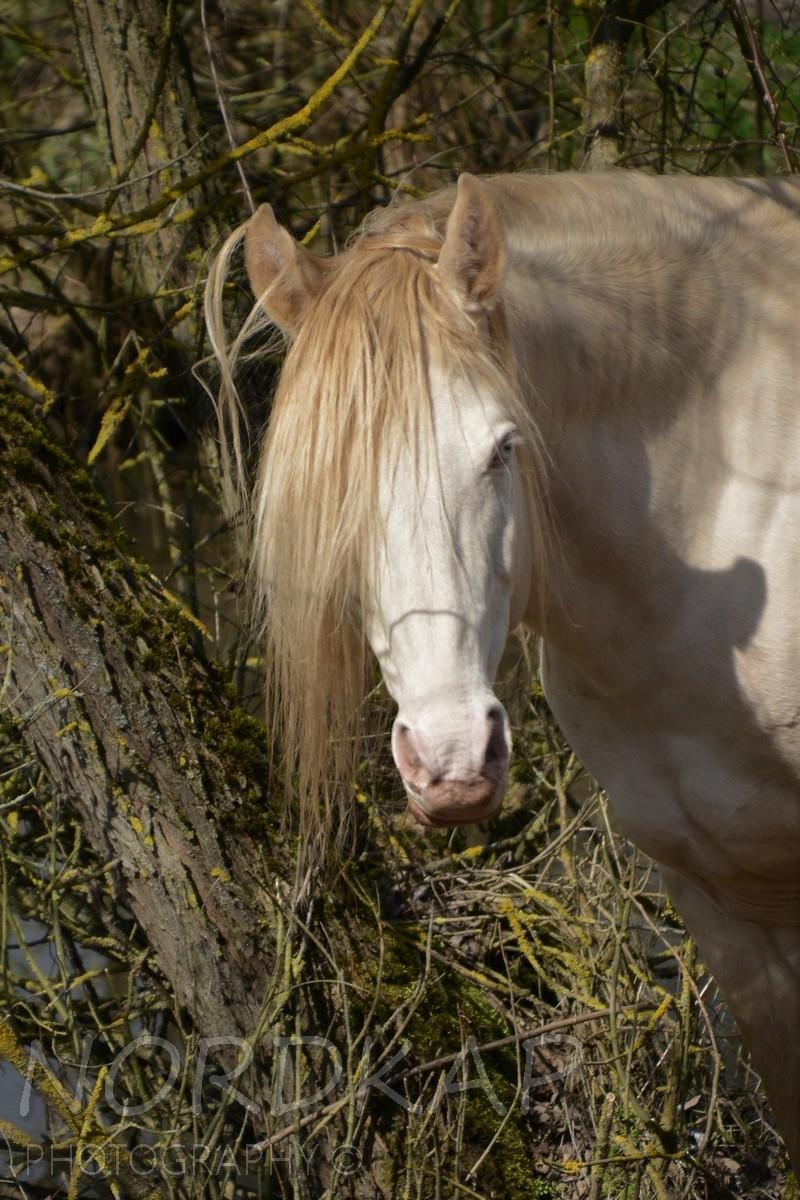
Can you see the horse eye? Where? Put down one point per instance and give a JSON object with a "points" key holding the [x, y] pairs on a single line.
{"points": [[502, 454]]}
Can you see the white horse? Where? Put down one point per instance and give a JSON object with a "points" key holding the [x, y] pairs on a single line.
{"points": [[572, 402]]}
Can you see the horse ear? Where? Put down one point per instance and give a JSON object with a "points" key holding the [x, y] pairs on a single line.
{"points": [[473, 253], [284, 276]]}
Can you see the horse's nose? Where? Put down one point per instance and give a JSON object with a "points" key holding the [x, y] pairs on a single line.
{"points": [[454, 771]]}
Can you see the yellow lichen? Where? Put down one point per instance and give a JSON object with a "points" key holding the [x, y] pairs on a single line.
{"points": [[112, 418], [185, 612], [18, 1137], [658, 1013], [71, 726], [36, 178], [98, 227]]}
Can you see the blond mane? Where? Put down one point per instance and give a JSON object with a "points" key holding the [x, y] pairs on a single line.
{"points": [[352, 395]]}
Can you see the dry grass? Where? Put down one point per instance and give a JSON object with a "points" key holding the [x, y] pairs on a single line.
{"points": [[546, 922]]}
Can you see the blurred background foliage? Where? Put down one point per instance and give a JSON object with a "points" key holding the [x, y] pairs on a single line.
{"points": [[134, 137]]}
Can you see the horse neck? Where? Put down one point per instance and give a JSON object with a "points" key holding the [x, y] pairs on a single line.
{"points": [[630, 298], [619, 354]]}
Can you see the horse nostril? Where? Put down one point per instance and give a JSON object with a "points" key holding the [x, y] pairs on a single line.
{"points": [[495, 751], [406, 754], [497, 746]]}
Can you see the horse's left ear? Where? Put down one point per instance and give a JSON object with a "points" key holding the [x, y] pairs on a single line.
{"points": [[473, 254], [284, 276]]}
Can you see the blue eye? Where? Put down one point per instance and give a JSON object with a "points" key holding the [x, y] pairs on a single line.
{"points": [[503, 453]]}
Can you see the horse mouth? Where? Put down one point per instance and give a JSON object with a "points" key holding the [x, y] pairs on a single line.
{"points": [[425, 817]]}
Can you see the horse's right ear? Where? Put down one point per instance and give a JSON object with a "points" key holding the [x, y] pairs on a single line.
{"points": [[284, 276]]}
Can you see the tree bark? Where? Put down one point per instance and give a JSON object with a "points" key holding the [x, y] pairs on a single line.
{"points": [[142, 95], [105, 686], [605, 78]]}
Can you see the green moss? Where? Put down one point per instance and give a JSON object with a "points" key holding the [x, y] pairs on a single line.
{"points": [[133, 620], [245, 740], [792, 1189], [203, 695], [27, 447], [20, 431], [23, 465], [240, 743], [41, 529]]}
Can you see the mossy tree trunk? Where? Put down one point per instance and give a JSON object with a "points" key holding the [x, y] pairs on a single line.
{"points": [[606, 77], [142, 94], [107, 686]]}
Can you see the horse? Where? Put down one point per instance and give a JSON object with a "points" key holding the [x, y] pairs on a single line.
{"points": [[572, 403]]}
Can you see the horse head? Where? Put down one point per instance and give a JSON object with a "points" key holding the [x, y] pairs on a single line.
{"points": [[396, 498]]}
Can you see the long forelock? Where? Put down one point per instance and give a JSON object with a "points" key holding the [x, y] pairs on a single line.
{"points": [[353, 395]]}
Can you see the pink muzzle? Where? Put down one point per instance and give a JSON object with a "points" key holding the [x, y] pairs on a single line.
{"points": [[453, 779]]}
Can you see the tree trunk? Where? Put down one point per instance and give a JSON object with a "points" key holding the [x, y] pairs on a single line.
{"points": [[142, 95], [106, 686], [107, 689], [605, 78], [150, 127]]}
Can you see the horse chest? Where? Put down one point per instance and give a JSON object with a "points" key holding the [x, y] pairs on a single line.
{"points": [[674, 653]]}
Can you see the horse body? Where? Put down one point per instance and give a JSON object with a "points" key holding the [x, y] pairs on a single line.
{"points": [[650, 330], [672, 641], [672, 664]]}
